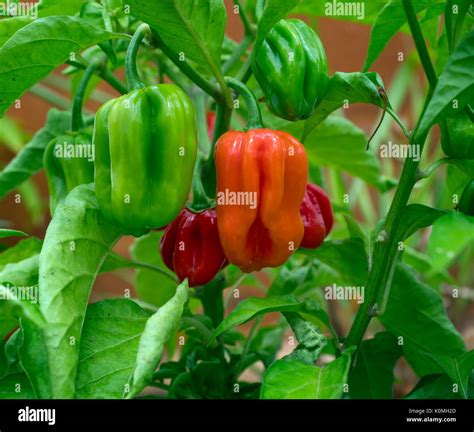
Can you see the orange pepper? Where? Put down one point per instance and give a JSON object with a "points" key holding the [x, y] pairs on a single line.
{"points": [[261, 181]]}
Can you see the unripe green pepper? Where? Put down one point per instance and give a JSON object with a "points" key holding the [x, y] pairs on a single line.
{"points": [[466, 203], [69, 158], [457, 136], [292, 70], [68, 162], [145, 152]]}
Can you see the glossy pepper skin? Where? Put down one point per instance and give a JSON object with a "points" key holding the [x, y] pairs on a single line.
{"points": [[466, 202], [190, 246], [292, 70], [317, 215], [145, 153], [457, 136], [68, 163], [270, 167]]}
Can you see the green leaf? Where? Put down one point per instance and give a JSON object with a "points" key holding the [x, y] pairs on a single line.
{"points": [[21, 274], [30, 159], [151, 286], [454, 16], [23, 249], [4, 233], [371, 376], [450, 235], [11, 305], [458, 369], [158, 329], [109, 345], [9, 26], [267, 342], [292, 275], [191, 27], [318, 8], [253, 306], [274, 11], [77, 242], [350, 88], [292, 379], [345, 257], [415, 217], [16, 386], [340, 144], [34, 51], [437, 387], [416, 313], [59, 7], [390, 19], [455, 83]]}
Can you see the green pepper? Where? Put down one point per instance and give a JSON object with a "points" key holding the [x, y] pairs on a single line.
{"points": [[466, 203], [457, 136], [68, 162], [145, 152], [292, 69], [69, 159]]}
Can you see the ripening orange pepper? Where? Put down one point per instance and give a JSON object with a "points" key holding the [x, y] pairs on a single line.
{"points": [[261, 181]]}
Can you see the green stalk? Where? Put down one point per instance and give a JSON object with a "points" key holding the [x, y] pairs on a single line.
{"points": [[50, 96], [131, 71], [77, 121], [247, 27], [237, 54], [254, 116], [200, 199], [385, 251]]}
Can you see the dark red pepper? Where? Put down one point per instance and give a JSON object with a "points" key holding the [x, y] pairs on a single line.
{"points": [[317, 215], [190, 246]]}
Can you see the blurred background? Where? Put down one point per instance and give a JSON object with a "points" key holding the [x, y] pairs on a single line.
{"points": [[346, 48]]}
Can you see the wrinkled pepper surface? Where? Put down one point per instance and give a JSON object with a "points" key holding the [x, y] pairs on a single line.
{"points": [[292, 70], [457, 136], [68, 162], [145, 153], [190, 246], [317, 215], [261, 181]]}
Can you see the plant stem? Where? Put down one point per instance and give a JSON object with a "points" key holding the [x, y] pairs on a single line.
{"points": [[207, 86], [200, 200], [254, 116], [385, 251], [146, 266], [237, 54], [50, 96], [247, 27], [240, 367], [77, 121], [131, 71]]}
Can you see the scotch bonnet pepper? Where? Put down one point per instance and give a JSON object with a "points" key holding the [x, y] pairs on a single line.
{"points": [[190, 246], [291, 68], [145, 152], [69, 158], [261, 181], [457, 136], [317, 215]]}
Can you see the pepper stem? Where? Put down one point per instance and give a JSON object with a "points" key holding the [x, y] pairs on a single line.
{"points": [[131, 71], [200, 199], [77, 120], [254, 116]]}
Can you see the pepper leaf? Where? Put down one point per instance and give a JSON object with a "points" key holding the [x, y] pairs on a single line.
{"points": [[77, 242], [158, 329], [192, 27], [35, 50]]}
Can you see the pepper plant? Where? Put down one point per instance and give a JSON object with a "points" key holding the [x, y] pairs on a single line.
{"points": [[244, 191]]}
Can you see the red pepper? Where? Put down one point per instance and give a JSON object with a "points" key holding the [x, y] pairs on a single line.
{"points": [[317, 215], [211, 124], [190, 247]]}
